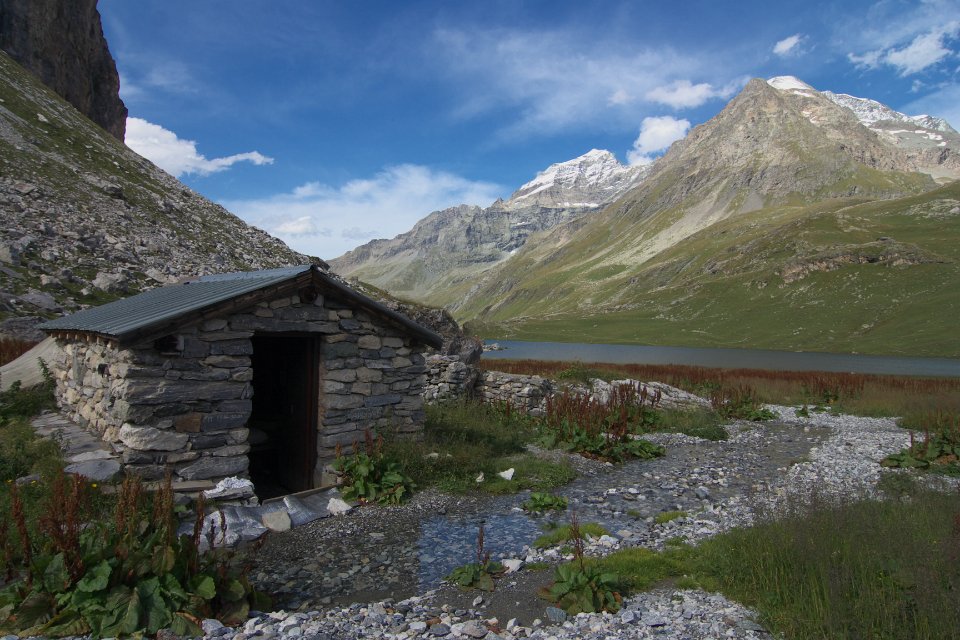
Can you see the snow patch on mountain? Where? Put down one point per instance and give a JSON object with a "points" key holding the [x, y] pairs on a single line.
{"points": [[596, 174], [870, 112], [790, 83]]}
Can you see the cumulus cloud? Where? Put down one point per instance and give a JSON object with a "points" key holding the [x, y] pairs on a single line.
{"points": [[682, 94], [177, 156], [789, 45], [561, 79], [656, 134], [923, 51], [327, 221]]}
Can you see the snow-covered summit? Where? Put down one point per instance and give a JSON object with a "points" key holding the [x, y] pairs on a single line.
{"points": [[791, 84], [870, 112], [590, 180]]}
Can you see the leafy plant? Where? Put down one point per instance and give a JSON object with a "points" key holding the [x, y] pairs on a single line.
{"points": [[479, 574], [581, 588], [603, 430], [75, 572], [540, 501], [369, 477], [939, 450], [739, 403]]}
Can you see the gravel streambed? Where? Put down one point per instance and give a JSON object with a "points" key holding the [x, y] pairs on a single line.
{"points": [[393, 557]]}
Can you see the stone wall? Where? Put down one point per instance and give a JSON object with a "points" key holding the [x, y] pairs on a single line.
{"points": [[187, 410], [449, 378]]}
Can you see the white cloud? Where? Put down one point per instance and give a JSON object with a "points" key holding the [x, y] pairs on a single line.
{"points": [[656, 134], [923, 51], [562, 79], [328, 221], [789, 45], [180, 157], [683, 93]]}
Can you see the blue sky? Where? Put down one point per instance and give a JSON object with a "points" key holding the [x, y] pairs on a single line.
{"points": [[333, 123]]}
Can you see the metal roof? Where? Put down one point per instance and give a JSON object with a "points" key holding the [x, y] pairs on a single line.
{"points": [[129, 317]]}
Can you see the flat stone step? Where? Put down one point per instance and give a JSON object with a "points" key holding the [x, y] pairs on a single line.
{"points": [[85, 453]]}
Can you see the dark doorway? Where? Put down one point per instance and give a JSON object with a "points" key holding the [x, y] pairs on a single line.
{"points": [[283, 425]]}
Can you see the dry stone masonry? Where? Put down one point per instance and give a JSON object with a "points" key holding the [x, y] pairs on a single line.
{"points": [[187, 409]]}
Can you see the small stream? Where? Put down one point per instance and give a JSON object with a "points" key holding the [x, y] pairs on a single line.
{"points": [[375, 553]]}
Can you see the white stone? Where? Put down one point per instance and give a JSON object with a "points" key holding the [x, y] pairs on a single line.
{"points": [[336, 506], [479, 478], [512, 564], [278, 521], [507, 475]]}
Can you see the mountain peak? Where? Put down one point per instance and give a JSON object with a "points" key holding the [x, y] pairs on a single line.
{"points": [[587, 181], [790, 83]]}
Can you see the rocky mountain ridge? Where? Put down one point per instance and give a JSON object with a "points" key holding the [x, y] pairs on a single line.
{"points": [[930, 144], [447, 248], [750, 208], [62, 44], [87, 220]]}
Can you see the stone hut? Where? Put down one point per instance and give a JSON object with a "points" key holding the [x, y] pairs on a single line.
{"points": [[258, 374]]}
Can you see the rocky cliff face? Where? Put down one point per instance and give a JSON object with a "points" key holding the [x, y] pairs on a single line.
{"points": [[87, 220], [431, 262], [61, 43]]}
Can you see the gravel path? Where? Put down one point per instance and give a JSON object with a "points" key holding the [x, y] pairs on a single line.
{"points": [[393, 557]]}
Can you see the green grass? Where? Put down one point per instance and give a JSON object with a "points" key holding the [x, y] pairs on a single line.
{"points": [[667, 516], [469, 439], [640, 569], [871, 569], [699, 423], [561, 534], [697, 292], [21, 451]]}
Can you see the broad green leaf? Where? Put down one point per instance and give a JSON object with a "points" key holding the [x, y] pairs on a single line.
{"points": [[56, 578], [203, 586], [96, 578]]}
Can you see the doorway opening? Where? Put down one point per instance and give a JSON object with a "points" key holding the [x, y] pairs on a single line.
{"points": [[283, 423]]}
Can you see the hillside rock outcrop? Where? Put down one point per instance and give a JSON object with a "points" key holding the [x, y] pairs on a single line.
{"points": [[62, 44]]}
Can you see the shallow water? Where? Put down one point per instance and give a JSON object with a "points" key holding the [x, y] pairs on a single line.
{"points": [[374, 554]]}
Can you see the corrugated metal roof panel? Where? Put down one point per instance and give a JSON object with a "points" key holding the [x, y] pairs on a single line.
{"points": [[157, 306]]}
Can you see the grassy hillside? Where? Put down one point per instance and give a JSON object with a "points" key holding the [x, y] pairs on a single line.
{"points": [[847, 275]]}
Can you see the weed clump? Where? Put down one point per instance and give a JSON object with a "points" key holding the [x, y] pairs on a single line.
{"points": [[76, 570]]}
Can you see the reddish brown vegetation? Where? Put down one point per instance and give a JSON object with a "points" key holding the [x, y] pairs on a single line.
{"points": [[857, 392]]}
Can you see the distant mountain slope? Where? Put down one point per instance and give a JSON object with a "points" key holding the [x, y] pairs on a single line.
{"points": [[85, 219], [782, 222], [450, 247]]}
